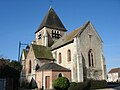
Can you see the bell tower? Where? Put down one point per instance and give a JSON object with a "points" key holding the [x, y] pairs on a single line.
{"points": [[50, 30]]}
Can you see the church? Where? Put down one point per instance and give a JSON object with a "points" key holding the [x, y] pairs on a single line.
{"points": [[77, 55]]}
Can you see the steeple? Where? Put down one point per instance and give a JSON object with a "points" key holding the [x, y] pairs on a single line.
{"points": [[51, 20]]}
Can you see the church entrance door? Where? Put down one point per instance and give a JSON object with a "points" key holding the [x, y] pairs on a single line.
{"points": [[47, 82]]}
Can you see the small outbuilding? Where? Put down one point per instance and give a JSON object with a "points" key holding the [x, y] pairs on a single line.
{"points": [[49, 72]]}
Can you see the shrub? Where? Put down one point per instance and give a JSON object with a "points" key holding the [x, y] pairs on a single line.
{"points": [[72, 85], [97, 84], [80, 86], [62, 83], [88, 84]]}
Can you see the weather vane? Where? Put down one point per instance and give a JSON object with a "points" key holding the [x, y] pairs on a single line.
{"points": [[51, 2]]}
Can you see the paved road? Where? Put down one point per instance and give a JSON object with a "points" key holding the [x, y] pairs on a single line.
{"points": [[116, 88]]}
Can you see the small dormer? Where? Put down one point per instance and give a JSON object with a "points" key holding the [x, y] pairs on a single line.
{"points": [[50, 30]]}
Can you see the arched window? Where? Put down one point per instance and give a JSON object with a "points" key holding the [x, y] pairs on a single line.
{"points": [[91, 58], [30, 66], [60, 75], [60, 58], [37, 67], [69, 55]]}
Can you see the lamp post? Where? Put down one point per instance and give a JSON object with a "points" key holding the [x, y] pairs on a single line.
{"points": [[22, 44]]}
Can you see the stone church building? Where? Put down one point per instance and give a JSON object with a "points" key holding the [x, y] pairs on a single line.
{"points": [[77, 55]]}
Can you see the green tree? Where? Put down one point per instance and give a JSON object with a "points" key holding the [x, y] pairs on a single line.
{"points": [[10, 69], [16, 65], [11, 63], [61, 83]]}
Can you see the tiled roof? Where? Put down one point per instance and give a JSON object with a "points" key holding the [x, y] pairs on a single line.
{"points": [[69, 37], [52, 66], [51, 20], [114, 70], [42, 52]]}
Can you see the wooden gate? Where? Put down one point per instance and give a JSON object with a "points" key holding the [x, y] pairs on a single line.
{"points": [[2, 84]]}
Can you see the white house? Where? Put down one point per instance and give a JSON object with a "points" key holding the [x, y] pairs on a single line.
{"points": [[114, 75]]}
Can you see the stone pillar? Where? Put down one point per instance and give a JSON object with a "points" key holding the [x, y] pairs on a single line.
{"points": [[104, 75], [74, 64], [79, 68], [79, 61], [51, 84], [45, 38]]}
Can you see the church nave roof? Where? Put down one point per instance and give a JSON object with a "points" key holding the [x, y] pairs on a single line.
{"points": [[69, 37]]}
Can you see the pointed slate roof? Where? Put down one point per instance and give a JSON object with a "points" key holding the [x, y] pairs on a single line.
{"points": [[52, 66], [69, 37], [42, 52], [51, 20]]}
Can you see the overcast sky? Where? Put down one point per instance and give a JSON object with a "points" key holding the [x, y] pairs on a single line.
{"points": [[19, 19]]}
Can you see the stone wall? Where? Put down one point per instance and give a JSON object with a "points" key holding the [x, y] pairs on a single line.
{"points": [[34, 63], [49, 35], [89, 39], [65, 63]]}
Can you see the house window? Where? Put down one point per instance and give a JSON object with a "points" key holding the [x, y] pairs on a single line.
{"points": [[91, 58], [30, 66], [60, 58], [69, 55]]}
